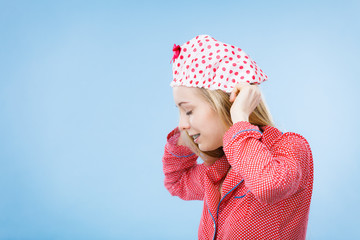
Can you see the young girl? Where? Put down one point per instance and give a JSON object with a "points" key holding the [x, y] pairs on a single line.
{"points": [[256, 182]]}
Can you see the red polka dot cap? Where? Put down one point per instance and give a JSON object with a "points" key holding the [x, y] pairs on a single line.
{"points": [[205, 62]]}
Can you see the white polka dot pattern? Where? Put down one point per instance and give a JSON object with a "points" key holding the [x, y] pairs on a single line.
{"points": [[208, 63], [265, 195]]}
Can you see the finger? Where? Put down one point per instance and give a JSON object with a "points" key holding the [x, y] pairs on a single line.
{"points": [[233, 94], [236, 90]]}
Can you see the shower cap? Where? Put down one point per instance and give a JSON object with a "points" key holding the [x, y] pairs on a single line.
{"points": [[205, 62]]}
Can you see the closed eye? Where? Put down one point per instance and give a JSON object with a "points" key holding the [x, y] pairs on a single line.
{"points": [[189, 113]]}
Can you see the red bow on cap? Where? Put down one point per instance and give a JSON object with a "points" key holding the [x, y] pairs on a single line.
{"points": [[176, 50]]}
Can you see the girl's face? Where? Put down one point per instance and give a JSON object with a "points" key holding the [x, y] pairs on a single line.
{"points": [[198, 119]]}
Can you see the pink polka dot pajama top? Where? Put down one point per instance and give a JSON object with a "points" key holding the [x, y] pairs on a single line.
{"points": [[265, 195]]}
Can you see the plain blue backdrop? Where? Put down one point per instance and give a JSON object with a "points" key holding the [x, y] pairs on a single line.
{"points": [[85, 107]]}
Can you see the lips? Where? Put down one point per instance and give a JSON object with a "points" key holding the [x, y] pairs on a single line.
{"points": [[195, 137]]}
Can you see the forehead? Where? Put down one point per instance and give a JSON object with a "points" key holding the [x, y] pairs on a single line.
{"points": [[186, 94]]}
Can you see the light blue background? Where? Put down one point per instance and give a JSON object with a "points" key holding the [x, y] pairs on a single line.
{"points": [[85, 107]]}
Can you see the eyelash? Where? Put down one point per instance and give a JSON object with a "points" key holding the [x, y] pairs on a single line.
{"points": [[188, 113]]}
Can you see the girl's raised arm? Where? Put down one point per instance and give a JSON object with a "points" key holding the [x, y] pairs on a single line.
{"points": [[272, 171], [183, 176]]}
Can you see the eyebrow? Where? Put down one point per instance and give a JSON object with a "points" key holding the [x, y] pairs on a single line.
{"points": [[180, 104]]}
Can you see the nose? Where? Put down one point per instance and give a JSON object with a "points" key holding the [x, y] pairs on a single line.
{"points": [[184, 123]]}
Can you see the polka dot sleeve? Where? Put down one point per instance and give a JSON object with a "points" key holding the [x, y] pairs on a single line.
{"points": [[271, 174], [183, 176]]}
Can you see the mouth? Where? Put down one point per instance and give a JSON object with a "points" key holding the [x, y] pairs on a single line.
{"points": [[195, 137]]}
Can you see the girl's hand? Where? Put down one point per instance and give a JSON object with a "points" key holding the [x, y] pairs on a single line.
{"points": [[182, 139], [245, 98]]}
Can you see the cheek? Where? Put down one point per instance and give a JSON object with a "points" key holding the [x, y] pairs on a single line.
{"points": [[216, 127], [195, 119]]}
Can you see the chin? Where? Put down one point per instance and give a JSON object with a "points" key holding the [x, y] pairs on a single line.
{"points": [[202, 148], [207, 148]]}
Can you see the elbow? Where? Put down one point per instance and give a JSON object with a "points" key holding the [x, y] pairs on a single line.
{"points": [[269, 196], [174, 190], [275, 188], [170, 187], [272, 194]]}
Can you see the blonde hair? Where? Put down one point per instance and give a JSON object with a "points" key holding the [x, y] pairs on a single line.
{"points": [[220, 102]]}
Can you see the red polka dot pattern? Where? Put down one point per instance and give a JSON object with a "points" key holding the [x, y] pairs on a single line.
{"points": [[266, 177], [228, 61]]}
